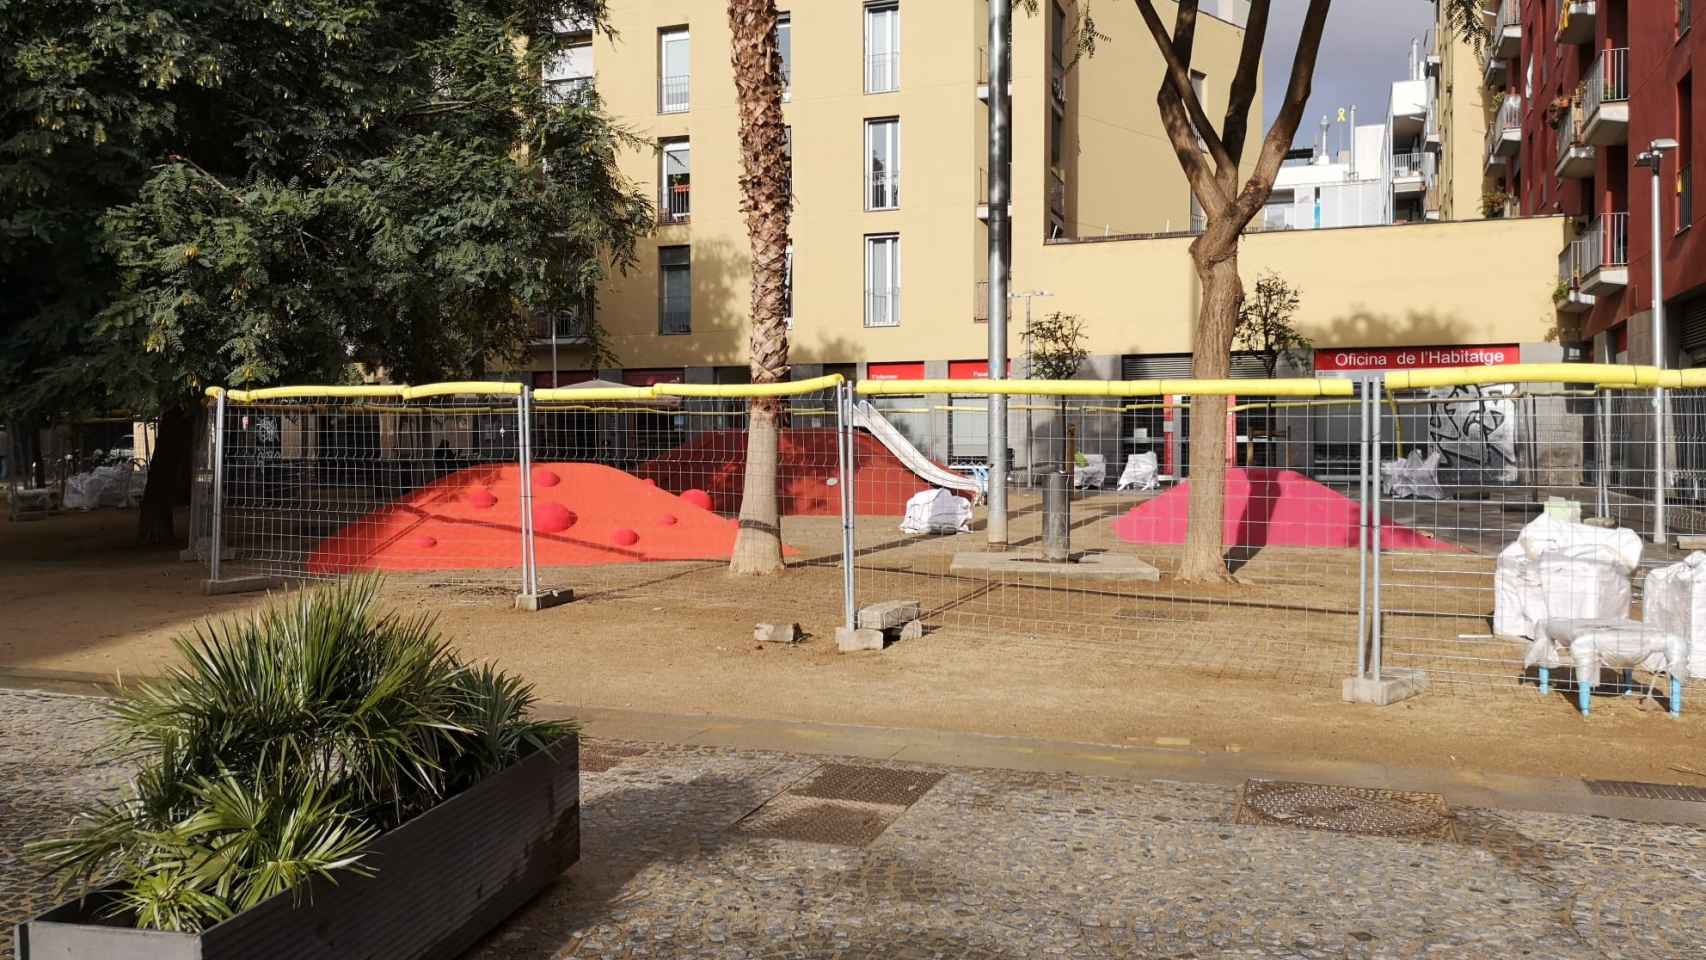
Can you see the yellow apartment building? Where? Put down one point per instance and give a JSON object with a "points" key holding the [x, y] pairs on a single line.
{"points": [[888, 125], [1457, 121]]}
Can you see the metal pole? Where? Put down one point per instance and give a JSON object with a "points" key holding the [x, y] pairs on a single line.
{"points": [[217, 536], [845, 451], [1658, 357], [1374, 387], [1000, 178], [1362, 528], [1604, 402], [524, 458]]}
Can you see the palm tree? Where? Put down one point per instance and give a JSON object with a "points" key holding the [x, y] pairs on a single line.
{"points": [[765, 200]]}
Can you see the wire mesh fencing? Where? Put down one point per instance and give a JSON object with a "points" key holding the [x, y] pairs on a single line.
{"points": [[1098, 510]]}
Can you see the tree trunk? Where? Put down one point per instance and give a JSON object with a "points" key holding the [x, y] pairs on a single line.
{"points": [[168, 478], [757, 65], [1211, 347]]}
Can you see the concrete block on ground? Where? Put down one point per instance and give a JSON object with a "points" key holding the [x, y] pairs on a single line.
{"points": [[534, 602], [913, 630], [888, 614], [1690, 542], [852, 641], [777, 633], [215, 588], [1394, 685], [1088, 566]]}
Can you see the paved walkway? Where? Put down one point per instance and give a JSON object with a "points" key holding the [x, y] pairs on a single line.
{"points": [[721, 851]]}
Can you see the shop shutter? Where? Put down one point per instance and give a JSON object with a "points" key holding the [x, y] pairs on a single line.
{"points": [[1692, 324], [1177, 366]]}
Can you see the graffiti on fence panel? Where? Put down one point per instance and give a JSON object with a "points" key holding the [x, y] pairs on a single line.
{"points": [[1474, 429]]}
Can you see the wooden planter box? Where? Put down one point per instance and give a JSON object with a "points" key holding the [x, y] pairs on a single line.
{"points": [[442, 881]]}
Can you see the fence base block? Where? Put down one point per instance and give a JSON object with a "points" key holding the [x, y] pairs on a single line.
{"points": [[864, 638], [1393, 686], [535, 602], [215, 588]]}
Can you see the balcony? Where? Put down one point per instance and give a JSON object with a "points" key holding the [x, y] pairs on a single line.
{"points": [[1576, 21], [980, 302], [1569, 297], [983, 196], [676, 204], [569, 328], [1505, 42], [672, 94], [1411, 173], [1504, 133], [1605, 100], [1575, 158], [1430, 127], [1604, 259]]}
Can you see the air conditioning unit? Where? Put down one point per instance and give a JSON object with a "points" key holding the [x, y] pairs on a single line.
{"points": [[1058, 88]]}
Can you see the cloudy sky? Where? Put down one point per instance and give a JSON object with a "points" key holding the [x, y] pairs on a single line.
{"points": [[1366, 47]]}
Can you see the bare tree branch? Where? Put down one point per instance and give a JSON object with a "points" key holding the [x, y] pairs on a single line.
{"points": [[1280, 135], [1243, 91], [1176, 52]]}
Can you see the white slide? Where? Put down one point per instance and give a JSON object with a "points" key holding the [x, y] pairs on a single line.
{"points": [[866, 416]]}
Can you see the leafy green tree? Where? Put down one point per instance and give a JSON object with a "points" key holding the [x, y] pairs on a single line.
{"points": [[248, 191], [1055, 345]]}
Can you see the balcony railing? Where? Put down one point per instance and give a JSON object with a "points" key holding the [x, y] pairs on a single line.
{"points": [[676, 204], [1607, 81], [1507, 121], [566, 328], [1606, 244], [569, 89], [882, 72], [1406, 166], [882, 191], [1507, 20], [882, 307], [1568, 135], [672, 94], [980, 301]]}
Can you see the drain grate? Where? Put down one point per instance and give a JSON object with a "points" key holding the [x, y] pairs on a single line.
{"points": [[1339, 809], [840, 781], [1646, 791], [598, 757], [818, 821]]}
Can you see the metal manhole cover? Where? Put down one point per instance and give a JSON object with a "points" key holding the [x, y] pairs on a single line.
{"points": [[818, 821], [597, 757], [1339, 809], [1646, 791], [839, 781]]}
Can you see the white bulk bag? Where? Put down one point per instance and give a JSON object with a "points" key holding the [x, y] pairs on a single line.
{"points": [[937, 511], [1565, 571], [1142, 472], [1416, 476], [1675, 600]]}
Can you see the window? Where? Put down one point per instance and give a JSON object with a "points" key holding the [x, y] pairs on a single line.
{"points": [[882, 281], [673, 70], [785, 44], [1057, 39], [676, 204], [1199, 86], [568, 74], [1056, 139], [882, 47], [675, 291], [1685, 153], [882, 164]]}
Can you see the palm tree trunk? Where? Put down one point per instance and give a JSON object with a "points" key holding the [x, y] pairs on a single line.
{"points": [[1204, 556], [757, 65]]}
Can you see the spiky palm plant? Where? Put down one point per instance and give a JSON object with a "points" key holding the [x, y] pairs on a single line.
{"points": [[284, 743]]}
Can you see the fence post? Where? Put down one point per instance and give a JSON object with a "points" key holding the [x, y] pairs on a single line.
{"points": [[530, 597], [216, 535], [1376, 388], [1362, 526], [848, 465], [1603, 402]]}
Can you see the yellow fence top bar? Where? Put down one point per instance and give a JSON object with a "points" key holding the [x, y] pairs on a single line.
{"points": [[790, 388], [572, 395], [475, 388], [1603, 374], [1300, 387], [306, 392]]}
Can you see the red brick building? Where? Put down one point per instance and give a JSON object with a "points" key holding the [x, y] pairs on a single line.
{"points": [[1587, 85]]}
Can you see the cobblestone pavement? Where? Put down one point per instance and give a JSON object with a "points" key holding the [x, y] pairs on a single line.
{"points": [[47, 768], [681, 857]]}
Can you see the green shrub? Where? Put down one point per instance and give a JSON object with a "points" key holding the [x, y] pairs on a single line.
{"points": [[285, 742]]}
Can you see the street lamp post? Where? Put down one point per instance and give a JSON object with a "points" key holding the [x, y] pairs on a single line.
{"points": [[1654, 159]]}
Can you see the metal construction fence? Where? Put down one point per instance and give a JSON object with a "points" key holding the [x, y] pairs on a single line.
{"points": [[1363, 519]]}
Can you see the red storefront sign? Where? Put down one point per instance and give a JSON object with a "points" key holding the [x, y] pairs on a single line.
{"points": [[1356, 360], [905, 370], [972, 369], [645, 378]]}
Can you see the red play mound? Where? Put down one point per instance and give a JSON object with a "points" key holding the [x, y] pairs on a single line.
{"points": [[715, 461], [1266, 507], [583, 514]]}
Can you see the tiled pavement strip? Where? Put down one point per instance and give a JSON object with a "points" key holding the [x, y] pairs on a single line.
{"points": [[1002, 863]]}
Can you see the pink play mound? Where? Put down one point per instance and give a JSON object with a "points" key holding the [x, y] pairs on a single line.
{"points": [[583, 514], [715, 462], [1266, 507]]}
